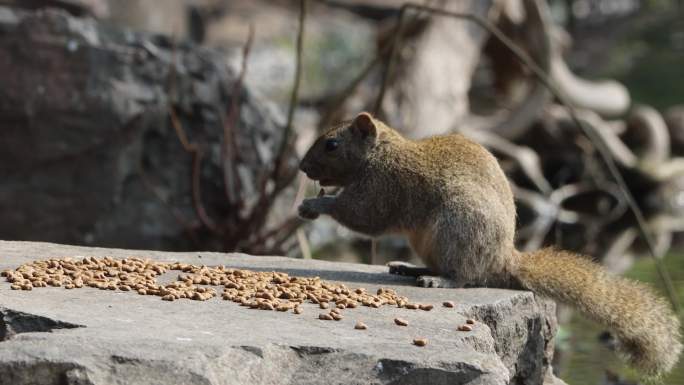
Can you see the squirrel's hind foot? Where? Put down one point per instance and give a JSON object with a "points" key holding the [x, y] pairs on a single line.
{"points": [[408, 269], [439, 282], [424, 276]]}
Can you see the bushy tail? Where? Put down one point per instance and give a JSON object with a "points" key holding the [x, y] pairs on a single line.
{"points": [[645, 325]]}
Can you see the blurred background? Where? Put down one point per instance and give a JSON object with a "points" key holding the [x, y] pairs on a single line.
{"points": [[173, 125]]}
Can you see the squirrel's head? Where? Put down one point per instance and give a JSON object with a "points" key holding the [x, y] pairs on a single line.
{"points": [[337, 156]]}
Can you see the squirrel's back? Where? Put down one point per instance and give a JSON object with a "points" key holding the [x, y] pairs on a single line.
{"points": [[447, 165], [458, 159]]}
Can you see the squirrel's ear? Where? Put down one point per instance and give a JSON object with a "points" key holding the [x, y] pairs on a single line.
{"points": [[364, 126]]}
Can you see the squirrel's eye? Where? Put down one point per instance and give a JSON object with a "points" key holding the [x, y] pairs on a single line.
{"points": [[331, 144]]}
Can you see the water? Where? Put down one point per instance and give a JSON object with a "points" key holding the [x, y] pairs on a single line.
{"points": [[586, 360]]}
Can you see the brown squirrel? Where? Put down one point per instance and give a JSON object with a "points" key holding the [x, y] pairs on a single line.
{"points": [[452, 201]]}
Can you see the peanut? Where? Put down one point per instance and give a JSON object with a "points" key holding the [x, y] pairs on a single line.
{"points": [[401, 322]]}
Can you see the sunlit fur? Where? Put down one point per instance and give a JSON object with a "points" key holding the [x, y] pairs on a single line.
{"points": [[646, 327], [452, 201]]}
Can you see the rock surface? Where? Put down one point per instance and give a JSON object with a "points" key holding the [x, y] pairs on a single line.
{"points": [[87, 336]]}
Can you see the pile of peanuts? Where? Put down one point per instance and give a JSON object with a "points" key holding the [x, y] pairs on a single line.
{"points": [[255, 289], [258, 290]]}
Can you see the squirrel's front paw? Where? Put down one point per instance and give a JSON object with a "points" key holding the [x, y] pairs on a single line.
{"points": [[307, 210]]}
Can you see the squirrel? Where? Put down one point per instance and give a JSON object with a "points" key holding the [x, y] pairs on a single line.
{"points": [[451, 199]]}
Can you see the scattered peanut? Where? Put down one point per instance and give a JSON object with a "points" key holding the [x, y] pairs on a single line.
{"points": [[470, 321], [360, 326], [465, 328], [420, 341], [325, 317], [401, 322], [426, 307], [448, 304]]}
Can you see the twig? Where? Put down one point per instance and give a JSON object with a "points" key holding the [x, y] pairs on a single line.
{"points": [[301, 190], [294, 96], [302, 240], [334, 105], [560, 95], [304, 245], [175, 213], [399, 32], [229, 147], [290, 226], [280, 232], [266, 199], [197, 154], [191, 148]]}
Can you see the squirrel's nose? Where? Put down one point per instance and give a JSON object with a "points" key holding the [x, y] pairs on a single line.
{"points": [[309, 169], [304, 165]]}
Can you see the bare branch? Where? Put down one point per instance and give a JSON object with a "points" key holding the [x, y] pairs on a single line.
{"points": [[266, 199], [194, 150], [229, 148], [294, 96], [191, 148]]}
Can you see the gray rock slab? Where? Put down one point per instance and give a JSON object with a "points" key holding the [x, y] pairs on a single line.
{"points": [[89, 336]]}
